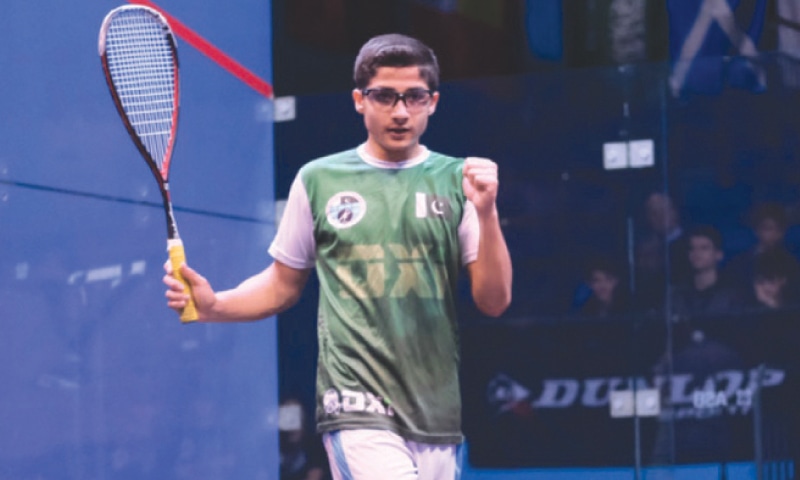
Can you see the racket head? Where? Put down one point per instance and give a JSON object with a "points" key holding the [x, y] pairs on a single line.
{"points": [[139, 55]]}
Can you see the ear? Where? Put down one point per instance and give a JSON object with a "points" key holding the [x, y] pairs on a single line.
{"points": [[434, 102], [358, 100]]}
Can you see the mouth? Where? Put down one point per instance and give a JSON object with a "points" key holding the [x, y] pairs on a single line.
{"points": [[398, 132]]}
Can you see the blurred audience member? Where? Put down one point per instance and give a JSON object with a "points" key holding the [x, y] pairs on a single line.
{"points": [[661, 258], [770, 282], [606, 292], [704, 292], [769, 222], [302, 453]]}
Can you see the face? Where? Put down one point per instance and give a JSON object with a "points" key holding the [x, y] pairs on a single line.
{"points": [[703, 255], [661, 214], [769, 290], [394, 131], [769, 233], [603, 285]]}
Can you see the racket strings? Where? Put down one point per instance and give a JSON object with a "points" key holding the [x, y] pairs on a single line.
{"points": [[142, 68]]}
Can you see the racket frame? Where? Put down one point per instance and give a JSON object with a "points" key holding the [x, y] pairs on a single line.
{"points": [[174, 243]]}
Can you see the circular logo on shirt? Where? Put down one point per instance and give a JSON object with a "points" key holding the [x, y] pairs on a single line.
{"points": [[345, 209], [331, 402]]}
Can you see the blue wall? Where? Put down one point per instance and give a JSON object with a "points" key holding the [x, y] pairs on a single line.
{"points": [[99, 379]]}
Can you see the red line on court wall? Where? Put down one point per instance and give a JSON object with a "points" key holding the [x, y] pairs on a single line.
{"points": [[206, 48]]}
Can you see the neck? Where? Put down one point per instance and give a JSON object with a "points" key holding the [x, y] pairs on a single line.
{"points": [[380, 153], [705, 279]]}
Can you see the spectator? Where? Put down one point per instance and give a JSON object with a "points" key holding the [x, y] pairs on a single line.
{"points": [[661, 258], [701, 346], [769, 222], [704, 293], [606, 293], [771, 271]]}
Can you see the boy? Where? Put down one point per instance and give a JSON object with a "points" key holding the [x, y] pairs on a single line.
{"points": [[387, 225], [705, 293]]}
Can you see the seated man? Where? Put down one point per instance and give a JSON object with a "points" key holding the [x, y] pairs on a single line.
{"points": [[660, 260], [704, 293]]}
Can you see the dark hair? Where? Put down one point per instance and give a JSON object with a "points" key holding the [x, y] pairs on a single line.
{"points": [[603, 263], [709, 232], [395, 50], [769, 210]]}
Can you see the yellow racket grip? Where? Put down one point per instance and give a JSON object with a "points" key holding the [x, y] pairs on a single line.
{"points": [[177, 257]]}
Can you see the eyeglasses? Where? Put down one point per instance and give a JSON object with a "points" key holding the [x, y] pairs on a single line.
{"points": [[413, 99]]}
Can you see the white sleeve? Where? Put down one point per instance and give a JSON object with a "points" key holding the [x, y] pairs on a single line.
{"points": [[469, 232], [294, 244]]}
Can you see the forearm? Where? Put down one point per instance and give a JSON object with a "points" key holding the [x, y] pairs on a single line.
{"points": [[265, 294], [491, 273]]}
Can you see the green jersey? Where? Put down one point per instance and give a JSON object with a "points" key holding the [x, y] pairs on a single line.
{"points": [[388, 243]]}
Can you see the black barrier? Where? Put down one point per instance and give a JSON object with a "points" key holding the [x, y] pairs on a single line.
{"points": [[536, 392]]}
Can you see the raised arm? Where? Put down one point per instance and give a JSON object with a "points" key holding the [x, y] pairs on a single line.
{"points": [[267, 293], [491, 272]]}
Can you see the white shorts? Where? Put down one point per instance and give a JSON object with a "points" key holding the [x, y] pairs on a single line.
{"points": [[384, 455]]}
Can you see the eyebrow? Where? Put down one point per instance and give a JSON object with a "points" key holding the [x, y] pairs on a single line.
{"points": [[379, 87]]}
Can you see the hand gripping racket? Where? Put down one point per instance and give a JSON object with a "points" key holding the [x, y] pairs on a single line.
{"points": [[140, 61]]}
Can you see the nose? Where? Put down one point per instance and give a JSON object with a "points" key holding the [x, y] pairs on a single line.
{"points": [[400, 109]]}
